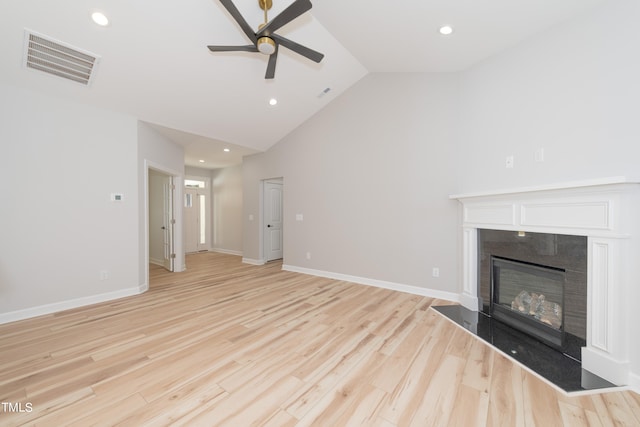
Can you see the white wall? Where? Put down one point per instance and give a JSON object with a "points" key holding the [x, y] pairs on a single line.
{"points": [[226, 185], [60, 162], [371, 175], [573, 91]]}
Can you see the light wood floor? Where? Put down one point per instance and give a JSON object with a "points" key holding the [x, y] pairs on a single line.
{"points": [[227, 343]]}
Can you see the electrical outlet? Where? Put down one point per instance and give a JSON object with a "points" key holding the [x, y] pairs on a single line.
{"points": [[308, 255], [435, 272], [539, 156], [104, 275], [509, 162]]}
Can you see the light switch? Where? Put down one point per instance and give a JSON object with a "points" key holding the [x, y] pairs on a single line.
{"points": [[299, 217]]}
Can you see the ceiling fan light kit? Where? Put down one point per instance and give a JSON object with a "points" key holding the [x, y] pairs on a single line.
{"points": [[265, 40], [266, 45]]}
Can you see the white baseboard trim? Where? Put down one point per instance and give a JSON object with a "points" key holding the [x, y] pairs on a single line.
{"points": [[226, 251], [55, 307], [634, 382], [156, 262], [410, 289], [604, 366], [469, 302], [253, 261]]}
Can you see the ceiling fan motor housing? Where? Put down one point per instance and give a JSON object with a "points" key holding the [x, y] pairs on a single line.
{"points": [[265, 4]]}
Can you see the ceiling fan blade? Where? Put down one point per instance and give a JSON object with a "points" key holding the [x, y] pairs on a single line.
{"points": [[298, 48], [271, 66], [235, 13], [294, 10], [247, 48]]}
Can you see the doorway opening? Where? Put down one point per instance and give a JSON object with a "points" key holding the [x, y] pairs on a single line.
{"points": [[161, 219], [163, 239], [196, 215]]}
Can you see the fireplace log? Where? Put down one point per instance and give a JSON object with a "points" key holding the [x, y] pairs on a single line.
{"points": [[536, 305]]}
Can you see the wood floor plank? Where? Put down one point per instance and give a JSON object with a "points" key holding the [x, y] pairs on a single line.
{"points": [[112, 413], [474, 410], [506, 398], [194, 395], [540, 404], [350, 404], [403, 353], [227, 343], [576, 416], [324, 380], [600, 406], [340, 393], [618, 408], [438, 401], [403, 402], [633, 400], [477, 372]]}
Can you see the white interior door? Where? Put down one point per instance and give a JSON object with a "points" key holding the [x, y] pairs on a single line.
{"points": [[272, 220], [168, 222]]}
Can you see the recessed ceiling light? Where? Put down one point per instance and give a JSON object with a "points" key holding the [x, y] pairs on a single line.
{"points": [[273, 101], [201, 161], [226, 150], [100, 19], [446, 30]]}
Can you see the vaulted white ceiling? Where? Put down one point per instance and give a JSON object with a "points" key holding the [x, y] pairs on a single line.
{"points": [[154, 63]]}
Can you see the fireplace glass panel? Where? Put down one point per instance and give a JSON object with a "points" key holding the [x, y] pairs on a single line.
{"points": [[529, 297]]}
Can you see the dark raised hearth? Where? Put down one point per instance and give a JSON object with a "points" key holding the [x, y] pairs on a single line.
{"points": [[558, 368]]}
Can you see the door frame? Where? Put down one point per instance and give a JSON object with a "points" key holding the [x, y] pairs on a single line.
{"points": [[178, 182], [263, 240]]}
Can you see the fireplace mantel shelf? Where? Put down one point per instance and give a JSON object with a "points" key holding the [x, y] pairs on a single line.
{"points": [[549, 187]]}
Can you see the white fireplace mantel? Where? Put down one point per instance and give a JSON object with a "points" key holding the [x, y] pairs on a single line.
{"points": [[607, 211]]}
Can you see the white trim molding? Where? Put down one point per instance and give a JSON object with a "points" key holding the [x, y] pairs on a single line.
{"points": [[606, 211], [410, 289], [42, 310], [226, 251]]}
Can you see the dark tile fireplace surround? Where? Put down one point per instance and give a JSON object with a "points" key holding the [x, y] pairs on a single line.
{"points": [[524, 335], [567, 254]]}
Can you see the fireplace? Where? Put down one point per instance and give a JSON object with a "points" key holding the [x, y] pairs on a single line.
{"points": [[603, 214]]}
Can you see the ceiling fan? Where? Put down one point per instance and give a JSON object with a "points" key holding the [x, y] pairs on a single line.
{"points": [[265, 40]]}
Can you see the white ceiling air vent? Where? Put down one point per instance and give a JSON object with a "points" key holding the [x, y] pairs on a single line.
{"points": [[42, 53]]}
